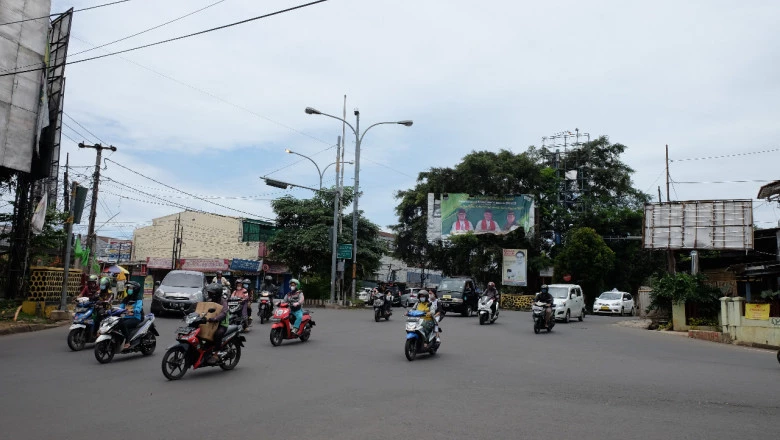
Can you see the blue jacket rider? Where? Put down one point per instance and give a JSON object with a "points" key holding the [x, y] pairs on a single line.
{"points": [[295, 300]]}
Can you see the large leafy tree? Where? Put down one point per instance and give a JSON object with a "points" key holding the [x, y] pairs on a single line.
{"points": [[587, 259], [304, 242], [602, 197]]}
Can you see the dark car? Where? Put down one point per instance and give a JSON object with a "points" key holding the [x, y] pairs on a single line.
{"points": [[458, 295], [179, 291]]}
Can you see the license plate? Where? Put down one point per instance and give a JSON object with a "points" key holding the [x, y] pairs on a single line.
{"points": [[446, 297], [183, 330], [604, 308]]}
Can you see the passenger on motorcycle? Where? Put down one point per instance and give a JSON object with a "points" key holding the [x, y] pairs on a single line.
{"points": [[388, 300], [242, 294], [545, 297], [423, 305], [268, 284], [214, 294], [133, 305], [492, 293], [436, 311], [90, 289], [105, 290], [295, 300], [247, 284]]}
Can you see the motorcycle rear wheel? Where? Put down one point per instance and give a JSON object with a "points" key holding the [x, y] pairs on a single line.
{"points": [[77, 338], [537, 329], [148, 345], [410, 349], [377, 315], [482, 318], [276, 337], [104, 351], [306, 333], [174, 363], [234, 355]]}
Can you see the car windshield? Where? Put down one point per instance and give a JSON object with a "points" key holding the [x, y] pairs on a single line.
{"points": [[455, 285], [610, 296], [183, 280], [559, 292]]}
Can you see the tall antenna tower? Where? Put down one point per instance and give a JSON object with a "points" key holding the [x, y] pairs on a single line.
{"points": [[572, 170]]}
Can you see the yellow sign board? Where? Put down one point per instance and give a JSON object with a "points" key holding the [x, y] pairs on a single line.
{"points": [[757, 311]]}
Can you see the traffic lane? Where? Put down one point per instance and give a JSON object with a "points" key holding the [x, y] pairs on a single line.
{"points": [[352, 380]]}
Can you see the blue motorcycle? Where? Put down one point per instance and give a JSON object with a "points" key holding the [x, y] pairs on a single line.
{"points": [[87, 314], [420, 336]]}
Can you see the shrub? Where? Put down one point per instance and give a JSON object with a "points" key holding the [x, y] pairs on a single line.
{"points": [[682, 287]]}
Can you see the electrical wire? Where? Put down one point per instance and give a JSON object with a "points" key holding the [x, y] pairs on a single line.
{"points": [[60, 13], [149, 29], [726, 156], [85, 128], [181, 37]]}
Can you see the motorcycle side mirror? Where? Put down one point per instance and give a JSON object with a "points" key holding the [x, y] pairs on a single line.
{"points": [[212, 310]]}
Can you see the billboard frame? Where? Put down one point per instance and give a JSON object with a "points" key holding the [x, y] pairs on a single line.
{"points": [[698, 224]]}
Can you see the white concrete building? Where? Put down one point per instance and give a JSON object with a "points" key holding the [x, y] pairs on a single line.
{"points": [[392, 269]]}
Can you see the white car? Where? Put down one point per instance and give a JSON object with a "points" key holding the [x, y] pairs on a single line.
{"points": [[615, 302], [363, 295], [568, 300]]}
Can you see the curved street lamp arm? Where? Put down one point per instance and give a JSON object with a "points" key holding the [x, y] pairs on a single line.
{"points": [[342, 120], [312, 161], [372, 126]]}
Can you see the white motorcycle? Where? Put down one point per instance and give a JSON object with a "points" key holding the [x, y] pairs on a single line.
{"points": [[485, 309], [110, 339]]}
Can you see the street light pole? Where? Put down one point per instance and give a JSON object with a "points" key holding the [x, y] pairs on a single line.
{"points": [[358, 140], [288, 151]]}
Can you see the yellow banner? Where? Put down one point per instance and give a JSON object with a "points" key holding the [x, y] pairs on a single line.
{"points": [[757, 311]]}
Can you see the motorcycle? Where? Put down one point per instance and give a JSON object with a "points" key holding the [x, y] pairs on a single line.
{"points": [[87, 313], [539, 317], [416, 338], [265, 307], [236, 309], [281, 328], [110, 339], [380, 310], [485, 309], [191, 350]]}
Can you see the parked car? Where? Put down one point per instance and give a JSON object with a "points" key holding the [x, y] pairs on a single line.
{"points": [[569, 302], [364, 295], [458, 294], [613, 302], [179, 291], [409, 297]]}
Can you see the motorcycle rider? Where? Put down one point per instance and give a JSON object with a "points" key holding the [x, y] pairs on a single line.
{"points": [[242, 294], [133, 305], [105, 293], [423, 305], [90, 289], [388, 301], [295, 300], [436, 311], [214, 294], [247, 284], [268, 284], [219, 279], [492, 293], [545, 297]]}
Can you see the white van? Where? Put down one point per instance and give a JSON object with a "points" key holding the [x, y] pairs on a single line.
{"points": [[569, 301]]}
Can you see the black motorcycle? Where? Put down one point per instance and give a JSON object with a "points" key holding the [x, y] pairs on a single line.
{"points": [[265, 306], [380, 309], [539, 317], [236, 308]]}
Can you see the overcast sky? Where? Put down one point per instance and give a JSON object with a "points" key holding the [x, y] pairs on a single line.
{"points": [[212, 113]]}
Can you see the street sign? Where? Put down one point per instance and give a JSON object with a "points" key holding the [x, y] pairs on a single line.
{"points": [[345, 251]]}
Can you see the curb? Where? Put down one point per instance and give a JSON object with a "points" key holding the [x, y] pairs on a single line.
{"points": [[25, 328]]}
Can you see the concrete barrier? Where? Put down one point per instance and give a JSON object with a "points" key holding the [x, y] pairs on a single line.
{"points": [[512, 301], [743, 331]]}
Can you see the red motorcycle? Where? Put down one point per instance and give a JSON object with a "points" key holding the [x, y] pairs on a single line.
{"points": [[281, 328], [192, 351]]}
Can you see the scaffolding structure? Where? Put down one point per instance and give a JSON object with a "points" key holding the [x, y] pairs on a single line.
{"points": [[562, 152]]}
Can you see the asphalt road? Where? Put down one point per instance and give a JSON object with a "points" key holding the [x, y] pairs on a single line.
{"points": [[588, 380]]}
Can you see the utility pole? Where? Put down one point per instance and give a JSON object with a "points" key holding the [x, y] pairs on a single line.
{"points": [[91, 239], [65, 182], [670, 260], [176, 242]]}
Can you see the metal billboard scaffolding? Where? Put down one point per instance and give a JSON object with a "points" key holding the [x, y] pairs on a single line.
{"points": [[699, 224]]}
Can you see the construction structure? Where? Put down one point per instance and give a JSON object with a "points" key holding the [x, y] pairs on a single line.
{"points": [[572, 168]]}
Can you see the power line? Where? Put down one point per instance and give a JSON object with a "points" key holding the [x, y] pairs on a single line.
{"points": [[184, 192], [725, 156], [175, 38], [60, 13], [85, 128], [150, 29]]}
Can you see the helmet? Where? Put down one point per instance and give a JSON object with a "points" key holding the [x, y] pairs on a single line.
{"points": [[133, 290], [104, 283], [214, 292], [92, 280], [422, 295], [296, 282], [246, 282], [268, 278], [491, 284], [545, 289]]}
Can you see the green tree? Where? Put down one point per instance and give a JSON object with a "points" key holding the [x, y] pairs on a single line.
{"points": [[587, 259], [303, 242]]}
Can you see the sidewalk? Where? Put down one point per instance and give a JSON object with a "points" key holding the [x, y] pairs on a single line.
{"points": [[11, 327]]}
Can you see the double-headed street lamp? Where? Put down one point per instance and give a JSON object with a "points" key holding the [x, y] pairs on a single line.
{"points": [[321, 173], [358, 140]]}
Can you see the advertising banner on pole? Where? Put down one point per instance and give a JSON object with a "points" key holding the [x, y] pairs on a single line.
{"points": [[514, 269], [462, 213]]}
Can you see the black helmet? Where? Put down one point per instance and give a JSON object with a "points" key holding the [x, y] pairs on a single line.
{"points": [[545, 289], [134, 290], [214, 292]]}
